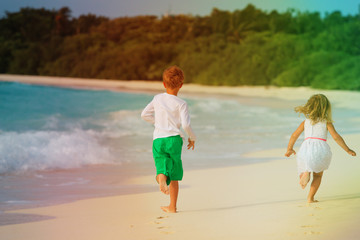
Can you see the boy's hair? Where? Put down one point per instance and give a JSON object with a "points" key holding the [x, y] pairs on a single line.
{"points": [[317, 109], [173, 77]]}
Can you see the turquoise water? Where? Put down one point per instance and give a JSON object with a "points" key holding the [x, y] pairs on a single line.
{"points": [[28, 107], [60, 144], [46, 128], [50, 128]]}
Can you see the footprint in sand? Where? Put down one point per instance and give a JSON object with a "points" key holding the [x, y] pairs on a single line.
{"points": [[312, 233], [163, 227], [159, 218], [159, 223], [307, 226], [155, 222]]}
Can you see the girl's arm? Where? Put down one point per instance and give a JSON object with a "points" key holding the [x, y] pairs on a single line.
{"points": [[339, 140], [293, 139]]}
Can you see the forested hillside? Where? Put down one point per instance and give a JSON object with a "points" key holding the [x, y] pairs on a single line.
{"points": [[243, 47]]}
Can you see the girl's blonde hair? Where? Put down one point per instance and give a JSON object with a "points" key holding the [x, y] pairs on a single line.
{"points": [[317, 109]]}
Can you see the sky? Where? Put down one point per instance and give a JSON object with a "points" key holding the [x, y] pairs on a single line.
{"points": [[121, 8]]}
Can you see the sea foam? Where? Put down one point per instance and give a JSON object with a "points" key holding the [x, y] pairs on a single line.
{"points": [[41, 150]]}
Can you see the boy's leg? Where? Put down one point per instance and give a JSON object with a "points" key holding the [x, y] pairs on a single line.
{"points": [[162, 164], [174, 191], [161, 179], [314, 186], [173, 148]]}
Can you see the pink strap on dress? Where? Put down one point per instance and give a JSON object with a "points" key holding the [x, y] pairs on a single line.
{"points": [[315, 138]]}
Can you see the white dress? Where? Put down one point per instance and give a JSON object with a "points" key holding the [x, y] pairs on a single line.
{"points": [[314, 154]]}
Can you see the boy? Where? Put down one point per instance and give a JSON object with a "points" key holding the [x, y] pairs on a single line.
{"points": [[168, 112]]}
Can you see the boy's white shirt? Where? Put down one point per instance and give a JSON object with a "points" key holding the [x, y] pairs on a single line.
{"points": [[171, 114]]}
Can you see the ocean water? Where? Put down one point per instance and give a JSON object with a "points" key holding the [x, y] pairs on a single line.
{"points": [[59, 145]]}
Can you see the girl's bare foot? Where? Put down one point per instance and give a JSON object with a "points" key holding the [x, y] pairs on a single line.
{"points": [[168, 209], [312, 201], [305, 178]]}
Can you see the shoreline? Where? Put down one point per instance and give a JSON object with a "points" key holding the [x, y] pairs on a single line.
{"points": [[83, 83], [340, 98]]}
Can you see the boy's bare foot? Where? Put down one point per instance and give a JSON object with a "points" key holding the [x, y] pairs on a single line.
{"points": [[162, 184], [168, 209], [164, 188], [305, 178]]}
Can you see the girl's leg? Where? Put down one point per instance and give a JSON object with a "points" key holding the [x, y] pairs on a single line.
{"points": [[174, 191], [314, 186], [304, 179]]}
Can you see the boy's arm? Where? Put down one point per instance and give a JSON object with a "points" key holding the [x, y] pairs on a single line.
{"points": [[339, 140], [185, 122], [148, 113], [293, 139]]}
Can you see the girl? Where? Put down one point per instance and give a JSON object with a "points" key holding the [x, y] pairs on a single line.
{"points": [[314, 154]]}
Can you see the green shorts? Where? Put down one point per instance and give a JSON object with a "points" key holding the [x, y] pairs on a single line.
{"points": [[167, 157]]}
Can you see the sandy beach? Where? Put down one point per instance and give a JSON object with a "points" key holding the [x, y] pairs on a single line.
{"points": [[258, 201], [255, 201]]}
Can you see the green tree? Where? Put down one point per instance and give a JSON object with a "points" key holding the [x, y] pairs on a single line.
{"points": [[85, 23], [220, 21], [64, 26], [341, 37], [343, 75]]}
